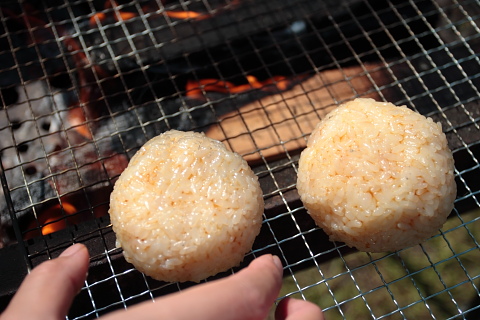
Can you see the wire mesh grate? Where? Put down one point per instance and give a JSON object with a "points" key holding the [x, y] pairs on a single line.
{"points": [[85, 84]]}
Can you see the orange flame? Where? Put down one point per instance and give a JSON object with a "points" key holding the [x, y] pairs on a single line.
{"points": [[126, 15], [76, 118], [73, 210], [276, 83], [55, 220], [122, 15], [88, 93]]}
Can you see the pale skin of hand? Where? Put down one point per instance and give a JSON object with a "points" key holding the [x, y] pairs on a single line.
{"points": [[48, 291]]}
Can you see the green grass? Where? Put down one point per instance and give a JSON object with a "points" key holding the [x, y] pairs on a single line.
{"points": [[436, 280]]}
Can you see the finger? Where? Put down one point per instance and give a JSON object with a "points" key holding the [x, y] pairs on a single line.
{"points": [[48, 291], [294, 309], [246, 295]]}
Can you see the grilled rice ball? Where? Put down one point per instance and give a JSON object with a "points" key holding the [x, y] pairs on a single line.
{"points": [[377, 177], [186, 208]]}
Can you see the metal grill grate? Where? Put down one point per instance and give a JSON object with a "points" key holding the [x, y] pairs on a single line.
{"points": [[85, 84]]}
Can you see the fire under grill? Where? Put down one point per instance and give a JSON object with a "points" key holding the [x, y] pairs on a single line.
{"points": [[85, 83]]}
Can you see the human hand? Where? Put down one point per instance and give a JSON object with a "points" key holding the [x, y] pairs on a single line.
{"points": [[246, 295]]}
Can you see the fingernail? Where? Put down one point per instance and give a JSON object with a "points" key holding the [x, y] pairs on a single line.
{"points": [[277, 262], [70, 251]]}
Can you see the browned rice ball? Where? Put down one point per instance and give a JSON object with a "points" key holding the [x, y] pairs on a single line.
{"points": [[377, 177], [186, 208]]}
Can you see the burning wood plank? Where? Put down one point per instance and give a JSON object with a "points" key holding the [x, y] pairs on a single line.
{"points": [[274, 125]]}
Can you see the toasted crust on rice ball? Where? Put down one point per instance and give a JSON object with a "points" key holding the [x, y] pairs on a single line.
{"points": [[186, 208], [377, 177]]}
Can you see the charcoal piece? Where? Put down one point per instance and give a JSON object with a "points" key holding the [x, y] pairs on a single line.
{"points": [[29, 131]]}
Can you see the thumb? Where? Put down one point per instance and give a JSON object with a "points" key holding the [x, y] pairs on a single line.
{"points": [[295, 309], [51, 286], [248, 294]]}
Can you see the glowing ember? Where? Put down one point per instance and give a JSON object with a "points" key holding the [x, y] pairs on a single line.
{"points": [[123, 15], [184, 14], [100, 16], [274, 84], [71, 211]]}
